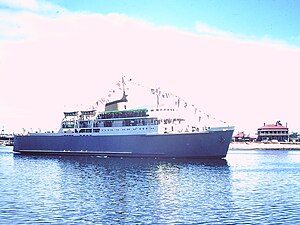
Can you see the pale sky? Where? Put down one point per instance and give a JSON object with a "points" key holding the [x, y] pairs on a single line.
{"points": [[239, 63]]}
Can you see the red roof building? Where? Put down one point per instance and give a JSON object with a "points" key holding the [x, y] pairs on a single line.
{"points": [[241, 137], [271, 132]]}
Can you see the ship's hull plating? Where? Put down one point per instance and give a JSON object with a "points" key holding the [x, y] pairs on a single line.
{"points": [[212, 144]]}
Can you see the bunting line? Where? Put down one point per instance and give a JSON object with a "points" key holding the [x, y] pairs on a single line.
{"points": [[179, 102]]}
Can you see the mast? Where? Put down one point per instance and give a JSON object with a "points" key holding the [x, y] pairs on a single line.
{"points": [[124, 97], [124, 94], [118, 104]]}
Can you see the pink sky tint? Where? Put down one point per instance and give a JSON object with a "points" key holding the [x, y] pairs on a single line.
{"points": [[71, 59]]}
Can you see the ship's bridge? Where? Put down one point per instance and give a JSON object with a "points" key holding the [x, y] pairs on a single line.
{"points": [[69, 120]]}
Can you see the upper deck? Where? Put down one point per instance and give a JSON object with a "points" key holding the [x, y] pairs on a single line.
{"points": [[131, 121], [117, 118]]}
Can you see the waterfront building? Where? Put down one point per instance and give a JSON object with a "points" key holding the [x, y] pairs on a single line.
{"points": [[270, 132], [242, 137]]}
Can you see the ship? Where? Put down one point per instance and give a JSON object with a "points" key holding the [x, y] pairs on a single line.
{"points": [[6, 139], [157, 131]]}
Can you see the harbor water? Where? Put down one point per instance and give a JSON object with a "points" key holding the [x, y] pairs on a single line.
{"points": [[248, 187]]}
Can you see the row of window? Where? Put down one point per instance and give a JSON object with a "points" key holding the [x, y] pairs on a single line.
{"points": [[152, 110], [123, 123], [111, 130], [272, 132], [278, 138], [121, 114]]}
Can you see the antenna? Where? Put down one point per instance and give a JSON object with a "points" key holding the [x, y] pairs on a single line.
{"points": [[123, 86], [124, 98]]}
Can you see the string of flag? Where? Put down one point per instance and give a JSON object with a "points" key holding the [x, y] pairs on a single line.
{"points": [[178, 101]]}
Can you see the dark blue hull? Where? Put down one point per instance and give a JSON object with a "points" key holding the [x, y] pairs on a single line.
{"points": [[213, 144]]}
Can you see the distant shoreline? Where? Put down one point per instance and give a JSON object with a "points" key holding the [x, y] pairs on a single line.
{"points": [[263, 146]]}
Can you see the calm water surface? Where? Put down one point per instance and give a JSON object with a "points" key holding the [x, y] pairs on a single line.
{"points": [[249, 187]]}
